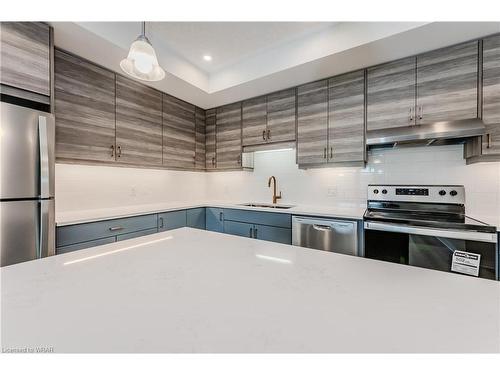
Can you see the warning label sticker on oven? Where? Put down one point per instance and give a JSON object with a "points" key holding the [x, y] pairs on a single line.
{"points": [[465, 262]]}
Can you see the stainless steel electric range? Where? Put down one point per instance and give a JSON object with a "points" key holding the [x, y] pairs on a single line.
{"points": [[426, 226]]}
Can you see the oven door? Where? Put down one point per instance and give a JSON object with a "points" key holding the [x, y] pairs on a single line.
{"points": [[429, 247]]}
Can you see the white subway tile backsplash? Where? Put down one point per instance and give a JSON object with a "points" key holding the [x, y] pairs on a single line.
{"points": [[87, 187]]}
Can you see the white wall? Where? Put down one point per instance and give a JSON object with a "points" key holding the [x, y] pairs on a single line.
{"points": [[87, 187]]}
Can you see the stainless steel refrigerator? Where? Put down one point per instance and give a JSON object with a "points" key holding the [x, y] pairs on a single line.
{"points": [[27, 222]]}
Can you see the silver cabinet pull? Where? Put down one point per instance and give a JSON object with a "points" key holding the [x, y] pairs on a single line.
{"points": [[255, 233], [119, 151], [221, 216], [331, 152], [44, 157], [411, 114], [213, 161], [324, 153], [161, 222], [488, 140], [268, 134], [112, 151], [250, 234], [264, 135], [239, 160], [114, 229], [420, 112]]}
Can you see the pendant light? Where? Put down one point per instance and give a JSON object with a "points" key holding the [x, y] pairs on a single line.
{"points": [[141, 62]]}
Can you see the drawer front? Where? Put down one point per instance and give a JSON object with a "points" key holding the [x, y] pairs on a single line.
{"points": [[73, 234], [273, 234], [214, 219], [195, 218], [84, 245], [259, 217], [238, 229], [171, 220], [140, 233]]}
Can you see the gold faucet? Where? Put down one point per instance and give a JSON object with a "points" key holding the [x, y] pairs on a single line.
{"points": [[275, 197]]}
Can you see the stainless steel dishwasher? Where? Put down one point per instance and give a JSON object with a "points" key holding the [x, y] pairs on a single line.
{"points": [[338, 236]]}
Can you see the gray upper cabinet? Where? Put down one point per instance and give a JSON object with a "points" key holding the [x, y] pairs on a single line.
{"points": [[447, 83], [491, 95], [200, 127], [312, 122], [254, 117], [281, 116], [179, 142], [210, 139], [391, 94], [84, 110], [138, 123], [228, 133], [346, 117], [25, 56]]}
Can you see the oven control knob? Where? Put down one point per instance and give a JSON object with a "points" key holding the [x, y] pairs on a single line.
{"points": [[442, 192], [453, 193], [384, 191], [375, 191]]}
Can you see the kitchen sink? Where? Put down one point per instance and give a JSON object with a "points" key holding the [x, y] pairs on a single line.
{"points": [[266, 205]]}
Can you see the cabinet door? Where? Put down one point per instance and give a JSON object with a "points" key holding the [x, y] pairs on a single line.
{"points": [[210, 139], [171, 220], [391, 95], [84, 110], [447, 84], [179, 144], [238, 229], [228, 130], [195, 218], [214, 219], [200, 138], [281, 116], [254, 117], [346, 118], [312, 122], [273, 234], [491, 94], [25, 56], [138, 123]]}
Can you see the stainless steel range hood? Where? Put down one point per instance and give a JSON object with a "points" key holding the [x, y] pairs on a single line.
{"points": [[443, 132]]}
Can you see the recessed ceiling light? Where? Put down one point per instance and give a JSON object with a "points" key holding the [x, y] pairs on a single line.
{"points": [[207, 57]]}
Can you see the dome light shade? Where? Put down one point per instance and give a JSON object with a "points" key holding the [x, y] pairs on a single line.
{"points": [[141, 62]]}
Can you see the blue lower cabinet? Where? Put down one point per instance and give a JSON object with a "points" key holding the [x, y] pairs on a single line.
{"points": [[136, 234], [195, 218], [274, 234], [171, 220], [214, 219], [259, 217], [84, 245], [238, 229]]}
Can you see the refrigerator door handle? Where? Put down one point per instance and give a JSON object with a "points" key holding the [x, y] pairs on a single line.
{"points": [[43, 244], [44, 157]]}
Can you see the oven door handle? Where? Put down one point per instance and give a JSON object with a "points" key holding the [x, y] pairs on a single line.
{"points": [[424, 231]]}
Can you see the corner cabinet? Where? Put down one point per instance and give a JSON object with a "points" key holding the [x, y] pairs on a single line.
{"points": [[491, 96], [84, 110], [228, 137], [25, 56], [179, 128], [138, 123]]}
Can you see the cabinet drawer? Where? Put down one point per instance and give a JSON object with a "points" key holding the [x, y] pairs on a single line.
{"points": [[73, 234], [171, 220], [195, 218], [140, 233], [238, 229], [259, 217], [273, 234], [84, 245]]}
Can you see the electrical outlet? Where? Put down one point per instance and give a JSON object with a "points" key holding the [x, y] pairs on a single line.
{"points": [[332, 192]]}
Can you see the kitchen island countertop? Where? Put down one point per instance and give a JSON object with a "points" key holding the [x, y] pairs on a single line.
{"points": [[190, 290]]}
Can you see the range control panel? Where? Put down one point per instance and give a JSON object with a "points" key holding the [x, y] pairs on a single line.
{"points": [[418, 193]]}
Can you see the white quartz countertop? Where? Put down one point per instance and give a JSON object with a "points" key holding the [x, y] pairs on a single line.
{"points": [[83, 216], [190, 290]]}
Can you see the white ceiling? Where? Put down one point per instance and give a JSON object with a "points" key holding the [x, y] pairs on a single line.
{"points": [[255, 58]]}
